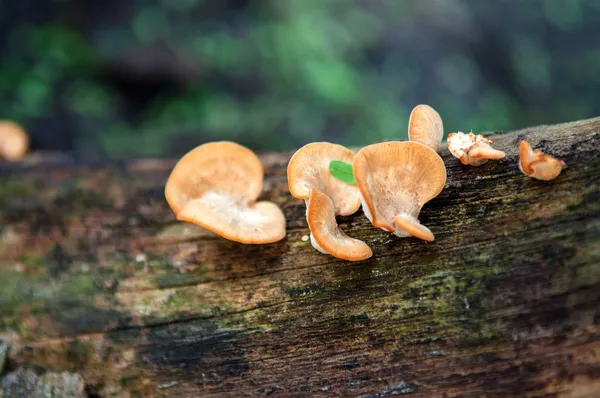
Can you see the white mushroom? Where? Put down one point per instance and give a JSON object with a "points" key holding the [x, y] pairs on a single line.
{"points": [[472, 149]]}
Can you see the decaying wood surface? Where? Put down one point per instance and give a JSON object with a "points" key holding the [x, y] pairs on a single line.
{"points": [[97, 278]]}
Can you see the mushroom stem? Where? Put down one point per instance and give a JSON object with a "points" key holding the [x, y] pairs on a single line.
{"points": [[407, 225], [365, 208], [316, 245]]}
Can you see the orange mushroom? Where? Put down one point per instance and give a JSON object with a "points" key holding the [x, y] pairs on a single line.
{"points": [[395, 180], [309, 168], [538, 165], [472, 149], [14, 141], [309, 178], [425, 126], [326, 236], [216, 185]]}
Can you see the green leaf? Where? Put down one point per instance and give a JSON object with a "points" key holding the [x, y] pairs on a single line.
{"points": [[342, 171]]}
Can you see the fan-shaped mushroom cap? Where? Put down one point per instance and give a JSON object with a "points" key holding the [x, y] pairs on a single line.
{"points": [[425, 126], [309, 168], [326, 236], [538, 165], [472, 149], [216, 185], [14, 141], [395, 180]]}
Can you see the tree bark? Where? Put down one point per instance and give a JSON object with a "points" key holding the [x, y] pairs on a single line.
{"points": [[97, 277]]}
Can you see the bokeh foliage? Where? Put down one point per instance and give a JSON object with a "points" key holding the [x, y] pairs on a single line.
{"points": [[154, 77]]}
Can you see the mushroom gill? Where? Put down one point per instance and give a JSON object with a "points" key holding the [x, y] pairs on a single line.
{"points": [[395, 180]]}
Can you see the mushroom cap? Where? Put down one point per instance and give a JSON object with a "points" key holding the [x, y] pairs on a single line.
{"points": [[538, 165], [14, 141], [397, 178], [215, 185], [326, 236], [309, 168], [425, 126], [223, 167]]}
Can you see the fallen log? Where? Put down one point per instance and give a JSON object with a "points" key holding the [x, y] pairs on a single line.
{"points": [[98, 278]]}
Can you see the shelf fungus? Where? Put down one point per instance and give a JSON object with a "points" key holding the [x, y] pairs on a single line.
{"points": [[14, 141], [538, 165], [395, 180], [425, 126], [310, 179], [472, 149], [216, 185], [326, 236]]}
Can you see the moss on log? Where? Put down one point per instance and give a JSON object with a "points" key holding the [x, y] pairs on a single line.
{"points": [[97, 277]]}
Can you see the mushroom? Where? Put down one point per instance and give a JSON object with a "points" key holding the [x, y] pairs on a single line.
{"points": [[472, 149], [309, 177], [395, 180], [425, 126], [309, 168], [216, 185], [326, 236], [538, 165], [14, 141]]}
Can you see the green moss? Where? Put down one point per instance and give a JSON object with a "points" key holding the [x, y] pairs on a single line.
{"points": [[361, 318], [14, 188], [169, 278], [38, 293], [79, 353], [179, 299], [483, 333]]}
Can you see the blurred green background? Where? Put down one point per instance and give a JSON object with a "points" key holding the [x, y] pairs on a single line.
{"points": [[157, 77]]}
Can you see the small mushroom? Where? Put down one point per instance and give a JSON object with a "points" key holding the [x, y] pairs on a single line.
{"points": [[14, 141], [472, 149], [538, 165], [216, 185], [309, 168], [395, 180], [425, 126], [326, 236]]}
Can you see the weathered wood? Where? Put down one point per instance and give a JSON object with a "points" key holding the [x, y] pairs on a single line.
{"points": [[97, 277], [26, 383]]}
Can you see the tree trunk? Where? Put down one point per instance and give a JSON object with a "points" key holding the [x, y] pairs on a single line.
{"points": [[97, 277]]}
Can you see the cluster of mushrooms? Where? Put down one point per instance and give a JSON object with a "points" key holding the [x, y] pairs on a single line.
{"points": [[216, 185]]}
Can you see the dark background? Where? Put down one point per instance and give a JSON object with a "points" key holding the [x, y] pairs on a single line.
{"points": [[157, 77]]}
